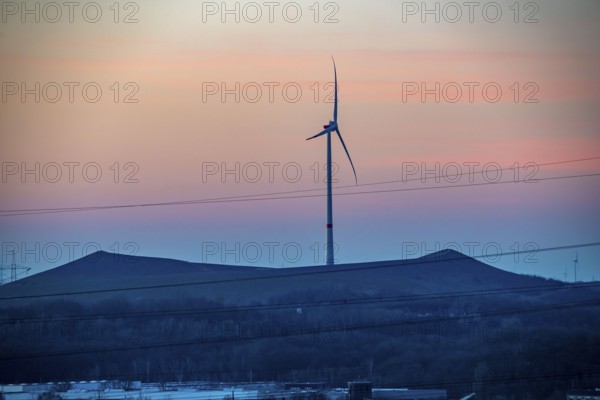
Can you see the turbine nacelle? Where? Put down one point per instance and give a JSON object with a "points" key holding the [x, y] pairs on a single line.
{"points": [[332, 125]]}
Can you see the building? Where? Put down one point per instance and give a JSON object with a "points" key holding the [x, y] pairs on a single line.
{"points": [[583, 394], [409, 394], [360, 390], [11, 388], [364, 390], [304, 386]]}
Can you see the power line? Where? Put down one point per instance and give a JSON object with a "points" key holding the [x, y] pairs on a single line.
{"points": [[320, 271], [325, 303], [237, 200], [310, 331], [486, 357], [13, 267], [259, 197]]}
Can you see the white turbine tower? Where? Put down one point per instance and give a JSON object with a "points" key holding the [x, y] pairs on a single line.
{"points": [[329, 128]]}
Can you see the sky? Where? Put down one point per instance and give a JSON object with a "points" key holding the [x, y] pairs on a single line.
{"points": [[125, 103]]}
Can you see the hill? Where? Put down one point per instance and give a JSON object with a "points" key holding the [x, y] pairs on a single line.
{"points": [[444, 320], [100, 273]]}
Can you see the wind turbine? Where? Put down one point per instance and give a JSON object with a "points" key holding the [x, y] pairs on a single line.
{"points": [[331, 127]]}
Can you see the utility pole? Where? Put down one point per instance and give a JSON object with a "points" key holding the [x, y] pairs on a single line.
{"points": [[13, 268], [576, 265]]}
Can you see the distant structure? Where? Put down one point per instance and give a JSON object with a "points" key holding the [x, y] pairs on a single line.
{"points": [[576, 265], [584, 394], [13, 268], [360, 390], [331, 127], [17, 391], [410, 394], [122, 390], [299, 386]]}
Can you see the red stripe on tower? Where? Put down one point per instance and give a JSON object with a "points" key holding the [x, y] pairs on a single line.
{"points": [[329, 226]]}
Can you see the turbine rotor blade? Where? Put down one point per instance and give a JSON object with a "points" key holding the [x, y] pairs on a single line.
{"points": [[348, 154], [335, 106], [327, 130]]}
